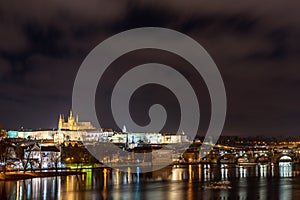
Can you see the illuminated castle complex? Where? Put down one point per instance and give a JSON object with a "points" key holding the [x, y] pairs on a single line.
{"points": [[73, 124]]}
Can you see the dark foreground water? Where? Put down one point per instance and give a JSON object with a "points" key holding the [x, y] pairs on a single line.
{"points": [[178, 182]]}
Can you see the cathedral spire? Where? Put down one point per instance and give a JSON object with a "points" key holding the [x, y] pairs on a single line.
{"points": [[124, 129], [60, 122], [71, 114]]}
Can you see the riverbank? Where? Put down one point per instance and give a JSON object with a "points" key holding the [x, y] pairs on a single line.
{"points": [[26, 175]]}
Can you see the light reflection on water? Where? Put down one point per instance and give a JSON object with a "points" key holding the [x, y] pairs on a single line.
{"points": [[178, 182]]}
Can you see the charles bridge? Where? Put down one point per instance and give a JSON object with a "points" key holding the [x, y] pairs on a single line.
{"points": [[226, 154]]}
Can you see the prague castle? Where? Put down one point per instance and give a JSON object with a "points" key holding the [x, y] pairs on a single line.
{"points": [[73, 130], [73, 124]]}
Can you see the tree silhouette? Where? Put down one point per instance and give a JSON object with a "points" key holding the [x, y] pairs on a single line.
{"points": [[5, 148], [25, 160]]}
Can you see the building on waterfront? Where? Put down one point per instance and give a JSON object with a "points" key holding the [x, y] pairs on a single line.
{"points": [[43, 156], [32, 134], [70, 130], [139, 139], [97, 135], [73, 130]]}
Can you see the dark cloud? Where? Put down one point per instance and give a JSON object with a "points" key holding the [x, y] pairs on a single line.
{"points": [[255, 45], [4, 69], [12, 38]]}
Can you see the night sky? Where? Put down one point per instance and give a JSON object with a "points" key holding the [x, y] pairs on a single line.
{"points": [[255, 45]]}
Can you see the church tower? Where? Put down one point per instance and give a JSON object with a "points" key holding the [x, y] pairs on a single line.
{"points": [[60, 122], [71, 121]]}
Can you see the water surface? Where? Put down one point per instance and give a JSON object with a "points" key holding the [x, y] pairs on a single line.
{"points": [[177, 182]]}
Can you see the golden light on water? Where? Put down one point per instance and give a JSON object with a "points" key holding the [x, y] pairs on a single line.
{"points": [[129, 175], [190, 173]]}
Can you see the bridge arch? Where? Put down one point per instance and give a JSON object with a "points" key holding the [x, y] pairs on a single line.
{"points": [[227, 158], [243, 158], [285, 158], [262, 159], [205, 159]]}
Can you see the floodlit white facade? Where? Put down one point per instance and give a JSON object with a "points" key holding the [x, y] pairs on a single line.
{"points": [[73, 130]]}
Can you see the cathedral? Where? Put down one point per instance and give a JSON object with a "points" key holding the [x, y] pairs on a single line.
{"points": [[73, 124]]}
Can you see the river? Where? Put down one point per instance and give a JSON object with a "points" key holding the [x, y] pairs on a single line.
{"points": [[171, 183]]}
